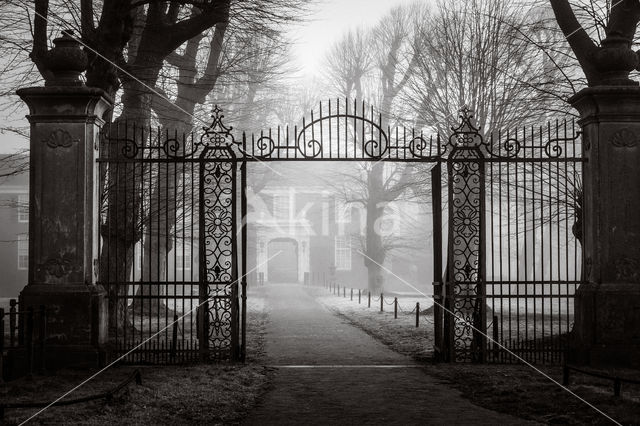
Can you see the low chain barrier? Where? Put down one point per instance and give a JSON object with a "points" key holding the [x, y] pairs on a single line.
{"points": [[336, 289], [617, 381]]}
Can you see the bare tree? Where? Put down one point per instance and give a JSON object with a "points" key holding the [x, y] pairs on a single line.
{"points": [[129, 45], [243, 63], [610, 62], [379, 63], [350, 63], [474, 53]]}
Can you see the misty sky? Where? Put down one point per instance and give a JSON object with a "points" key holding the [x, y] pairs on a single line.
{"points": [[329, 21]]}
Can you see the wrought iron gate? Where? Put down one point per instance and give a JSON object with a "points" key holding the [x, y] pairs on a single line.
{"points": [[514, 258], [170, 246], [174, 205]]}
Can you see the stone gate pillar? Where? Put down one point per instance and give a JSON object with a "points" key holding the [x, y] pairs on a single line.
{"points": [[607, 321], [65, 118]]}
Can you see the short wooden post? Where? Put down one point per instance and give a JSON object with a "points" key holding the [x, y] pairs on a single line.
{"points": [[395, 308], [381, 302], [617, 384], [417, 314]]}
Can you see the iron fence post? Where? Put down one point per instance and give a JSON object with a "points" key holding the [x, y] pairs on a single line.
{"points": [[174, 339], [359, 296], [496, 348], [395, 308], [369, 302], [417, 314], [12, 322], [381, 302], [1, 343], [243, 346], [29, 342], [42, 335], [436, 206]]}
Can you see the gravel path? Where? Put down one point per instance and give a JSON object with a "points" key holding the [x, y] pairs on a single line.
{"points": [[329, 372]]}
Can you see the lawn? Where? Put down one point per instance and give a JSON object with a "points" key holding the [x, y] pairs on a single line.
{"points": [[188, 394]]}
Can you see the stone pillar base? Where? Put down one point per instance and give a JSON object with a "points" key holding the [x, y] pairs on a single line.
{"points": [[76, 322], [609, 332]]}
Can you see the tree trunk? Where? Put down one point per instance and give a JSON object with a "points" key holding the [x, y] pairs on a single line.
{"points": [[375, 250], [122, 228], [158, 233]]}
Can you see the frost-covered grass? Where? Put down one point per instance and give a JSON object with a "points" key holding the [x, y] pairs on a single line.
{"points": [[400, 334], [189, 394]]}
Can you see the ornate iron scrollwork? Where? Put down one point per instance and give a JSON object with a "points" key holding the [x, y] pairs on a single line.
{"points": [[466, 181], [217, 220]]}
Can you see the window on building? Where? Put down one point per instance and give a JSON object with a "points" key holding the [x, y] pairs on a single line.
{"points": [[23, 251], [281, 207], [343, 212], [343, 253], [23, 208], [183, 258]]}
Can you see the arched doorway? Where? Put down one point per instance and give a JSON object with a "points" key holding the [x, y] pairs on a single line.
{"points": [[283, 267]]}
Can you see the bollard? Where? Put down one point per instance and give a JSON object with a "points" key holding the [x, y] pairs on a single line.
{"points": [[369, 303], [417, 314], [395, 308], [12, 322], [381, 303], [358, 296]]}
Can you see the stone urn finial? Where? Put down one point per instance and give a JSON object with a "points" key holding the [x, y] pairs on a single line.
{"points": [[66, 61]]}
